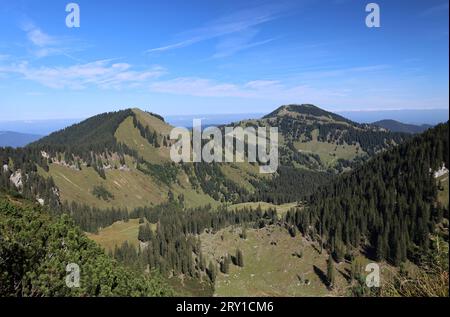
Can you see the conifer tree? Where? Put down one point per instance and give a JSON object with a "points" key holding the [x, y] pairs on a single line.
{"points": [[212, 273], [331, 274]]}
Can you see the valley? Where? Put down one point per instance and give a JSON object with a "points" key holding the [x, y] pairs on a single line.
{"points": [[224, 229]]}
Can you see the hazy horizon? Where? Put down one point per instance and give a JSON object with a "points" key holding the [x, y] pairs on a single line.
{"points": [[411, 116]]}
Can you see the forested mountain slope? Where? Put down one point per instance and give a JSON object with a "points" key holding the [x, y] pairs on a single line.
{"points": [[121, 160], [319, 140], [388, 205], [396, 126], [35, 249]]}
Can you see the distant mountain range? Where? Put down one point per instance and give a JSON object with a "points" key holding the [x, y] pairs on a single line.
{"points": [[396, 126], [16, 139]]}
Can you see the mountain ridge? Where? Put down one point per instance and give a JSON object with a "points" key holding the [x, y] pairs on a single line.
{"points": [[17, 139], [397, 126], [122, 159]]}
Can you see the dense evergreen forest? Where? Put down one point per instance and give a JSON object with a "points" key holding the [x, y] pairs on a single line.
{"points": [[297, 123], [387, 206], [92, 143], [95, 134], [173, 247], [35, 249], [22, 164], [284, 187]]}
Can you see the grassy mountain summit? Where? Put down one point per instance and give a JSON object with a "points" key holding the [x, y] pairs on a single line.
{"points": [[121, 159], [305, 111], [320, 140], [116, 159]]}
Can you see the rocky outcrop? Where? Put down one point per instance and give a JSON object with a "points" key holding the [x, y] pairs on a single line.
{"points": [[16, 179], [440, 172]]}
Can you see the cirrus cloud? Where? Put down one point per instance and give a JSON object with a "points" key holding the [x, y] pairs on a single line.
{"points": [[102, 74]]}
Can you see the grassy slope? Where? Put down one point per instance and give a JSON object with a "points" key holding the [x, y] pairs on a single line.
{"points": [[329, 153], [129, 135], [121, 231], [130, 188], [192, 197], [116, 234], [153, 122], [269, 270], [273, 270]]}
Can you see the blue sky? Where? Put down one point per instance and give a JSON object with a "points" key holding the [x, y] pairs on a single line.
{"points": [[197, 57]]}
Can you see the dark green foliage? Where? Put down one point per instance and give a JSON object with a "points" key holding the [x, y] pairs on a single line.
{"points": [[340, 131], [156, 116], [128, 256], [174, 247], [94, 134], [36, 248], [25, 162], [308, 110], [290, 184], [88, 141], [225, 264], [239, 258], [331, 272], [387, 205], [212, 272], [214, 183], [145, 233], [101, 192], [396, 126], [90, 219], [166, 173], [151, 136]]}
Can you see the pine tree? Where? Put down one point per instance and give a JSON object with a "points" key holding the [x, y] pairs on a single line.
{"points": [[331, 274], [239, 258], [145, 233], [225, 265], [212, 273]]}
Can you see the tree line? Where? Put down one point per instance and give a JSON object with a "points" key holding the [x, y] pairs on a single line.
{"points": [[388, 205]]}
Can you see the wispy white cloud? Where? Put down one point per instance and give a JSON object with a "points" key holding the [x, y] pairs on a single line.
{"points": [[267, 89], [342, 72], [199, 87], [173, 46], [103, 74], [278, 92], [41, 44], [38, 37], [238, 42], [259, 89], [237, 22]]}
